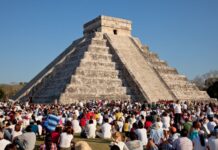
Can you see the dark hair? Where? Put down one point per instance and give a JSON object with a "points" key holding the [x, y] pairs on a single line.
{"points": [[115, 147], [133, 136], [69, 130], [28, 128], [135, 125], [184, 133], [17, 127], [106, 120], [11, 147], [91, 121], [140, 125]]}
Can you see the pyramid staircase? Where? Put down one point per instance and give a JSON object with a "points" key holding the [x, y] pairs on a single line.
{"points": [[88, 72], [178, 84], [108, 63]]}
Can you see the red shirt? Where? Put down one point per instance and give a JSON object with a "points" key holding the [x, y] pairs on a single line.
{"points": [[82, 122], [55, 136], [148, 124]]}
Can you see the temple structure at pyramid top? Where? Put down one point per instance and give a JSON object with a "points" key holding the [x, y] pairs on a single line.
{"points": [[109, 63], [109, 25]]}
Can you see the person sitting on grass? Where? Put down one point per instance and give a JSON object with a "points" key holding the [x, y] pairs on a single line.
{"points": [[66, 138], [48, 145], [134, 143], [105, 130], [90, 129], [118, 140], [27, 140]]}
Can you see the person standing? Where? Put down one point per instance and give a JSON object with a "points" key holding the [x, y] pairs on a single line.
{"points": [[183, 143]]}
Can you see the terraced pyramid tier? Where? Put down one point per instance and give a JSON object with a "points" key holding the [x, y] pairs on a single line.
{"points": [[108, 63]]}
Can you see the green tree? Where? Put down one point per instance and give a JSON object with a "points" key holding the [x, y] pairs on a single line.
{"points": [[213, 90], [2, 94]]}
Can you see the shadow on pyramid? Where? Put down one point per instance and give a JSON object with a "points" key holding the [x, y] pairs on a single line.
{"points": [[108, 63]]}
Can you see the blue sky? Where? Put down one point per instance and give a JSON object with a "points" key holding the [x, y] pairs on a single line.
{"points": [[33, 33]]}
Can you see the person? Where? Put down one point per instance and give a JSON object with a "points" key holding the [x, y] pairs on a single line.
{"points": [[156, 134], [165, 120], [16, 132], [199, 142], [48, 145], [173, 135], [34, 127], [105, 130], [211, 124], [118, 140], [39, 128], [134, 143], [183, 143], [142, 133], [82, 145], [90, 129], [151, 145], [3, 142], [213, 140], [177, 112], [66, 138], [10, 147], [55, 135], [126, 127], [195, 130], [75, 124], [26, 140], [114, 147]]}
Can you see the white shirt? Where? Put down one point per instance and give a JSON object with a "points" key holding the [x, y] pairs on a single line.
{"points": [[211, 125], [65, 140], [4, 143], [76, 126], [213, 143], [15, 133], [39, 129], [122, 146], [106, 130], [100, 119], [120, 124], [177, 109], [166, 122], [90, 130], [142, 135], [143, 113], [183, 143]]}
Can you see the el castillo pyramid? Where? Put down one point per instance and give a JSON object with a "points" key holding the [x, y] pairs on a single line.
{"points": [[108, 63]]}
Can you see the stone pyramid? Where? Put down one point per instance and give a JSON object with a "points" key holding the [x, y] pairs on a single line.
{"points": [[108, 63]]}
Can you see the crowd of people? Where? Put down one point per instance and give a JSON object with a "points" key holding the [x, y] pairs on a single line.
{"points": [[127, 126]]}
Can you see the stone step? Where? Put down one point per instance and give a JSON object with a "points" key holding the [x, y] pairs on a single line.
{"points": [[188, 86], [99, 42], [66, 97], [97, 65], [166, 70], [159, 63], [98, 49], [98, 57], [96, 81], [189, 94], [173, 77], [112, 74], [78, 89], [152, 56]]}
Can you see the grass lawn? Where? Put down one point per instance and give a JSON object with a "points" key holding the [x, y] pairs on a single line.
{"points": [[96, 144]]}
